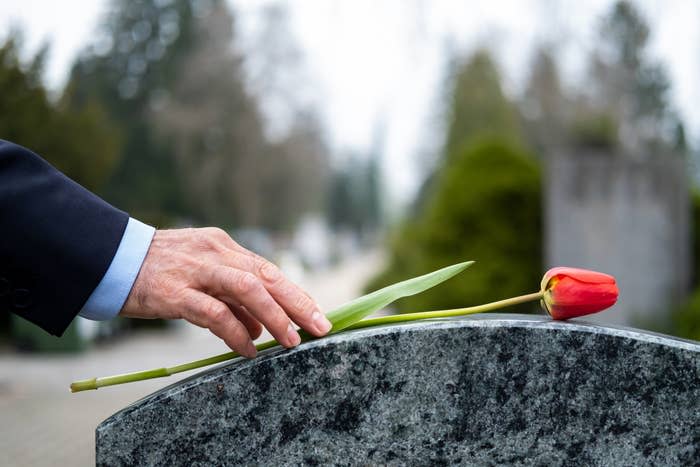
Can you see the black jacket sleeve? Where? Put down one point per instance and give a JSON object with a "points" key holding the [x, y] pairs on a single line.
{"points": [[56, 240]]}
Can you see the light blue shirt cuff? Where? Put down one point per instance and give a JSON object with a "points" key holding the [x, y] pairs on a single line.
{"points": [[109, 296]]}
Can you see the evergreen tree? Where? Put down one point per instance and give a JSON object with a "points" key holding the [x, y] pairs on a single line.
{"points": [[129, 69], [195, 144], [545, 106], [353, 197], [80, 141], [477, 106], [483, 203], [627, 86]]}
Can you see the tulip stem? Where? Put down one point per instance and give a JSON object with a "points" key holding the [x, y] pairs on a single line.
{"points": [[405, 317], [94, 383]]}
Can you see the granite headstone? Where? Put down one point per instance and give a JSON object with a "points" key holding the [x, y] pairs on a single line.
{"points": [[495, 389]]}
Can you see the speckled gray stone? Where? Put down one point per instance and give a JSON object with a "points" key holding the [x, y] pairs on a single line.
{"points": [[500, 389]]}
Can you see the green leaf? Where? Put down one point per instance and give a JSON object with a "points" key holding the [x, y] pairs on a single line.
{"points": [[359, 308], [342, 317]]}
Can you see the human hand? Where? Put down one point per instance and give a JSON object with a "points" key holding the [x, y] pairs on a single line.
{"points": [[206, 278]]}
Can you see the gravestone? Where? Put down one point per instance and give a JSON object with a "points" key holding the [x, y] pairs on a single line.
{"points": [[493, 389], [627, 215]]}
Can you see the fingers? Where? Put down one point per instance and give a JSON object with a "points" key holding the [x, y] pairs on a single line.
{"points": [[294, 301], [298, 305], [246, 289], [206, 311], [252, 325], [204, 276]]}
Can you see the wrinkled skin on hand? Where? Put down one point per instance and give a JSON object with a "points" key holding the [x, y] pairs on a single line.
{"points": [[206, 278]]}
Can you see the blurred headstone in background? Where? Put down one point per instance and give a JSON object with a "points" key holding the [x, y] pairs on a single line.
{"points": [[626, 216], [616, 190]]}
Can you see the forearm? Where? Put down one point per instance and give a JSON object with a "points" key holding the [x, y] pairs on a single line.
{"points": [[64, 251], [57, 240]]}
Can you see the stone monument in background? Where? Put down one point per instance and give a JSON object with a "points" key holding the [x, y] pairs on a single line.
{"points": [[627, 216]]}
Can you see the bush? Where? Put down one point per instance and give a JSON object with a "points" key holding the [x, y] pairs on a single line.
{"points": [[686, 319], [486, 206], [595, 132]]}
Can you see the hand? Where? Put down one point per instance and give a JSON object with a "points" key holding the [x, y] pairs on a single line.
{"points": [[206, 278]]}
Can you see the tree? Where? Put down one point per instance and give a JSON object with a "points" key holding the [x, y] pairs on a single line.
{"points": [[478, 106], [545, 106], [236, 174], [297, 174], [353, 198], [483, 203], [195, 146], [625, 84], [80, 142], [129, 68], [686, 319], [215, 126], [486, 208]]}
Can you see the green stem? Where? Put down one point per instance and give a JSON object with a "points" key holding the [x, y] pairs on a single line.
{"points": [[404, 317], [95, 383]]}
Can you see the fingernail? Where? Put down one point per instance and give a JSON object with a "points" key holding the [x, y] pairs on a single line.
{"points": [[321, 322], [250, 351], [293, 336]]}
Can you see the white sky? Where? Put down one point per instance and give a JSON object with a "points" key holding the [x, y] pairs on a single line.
{"points": [[373, 62]]}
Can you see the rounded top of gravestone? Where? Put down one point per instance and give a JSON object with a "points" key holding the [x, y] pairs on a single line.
{"points": [[481, 390]]}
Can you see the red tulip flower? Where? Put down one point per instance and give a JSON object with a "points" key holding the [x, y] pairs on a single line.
{"points": [[571, 292]]}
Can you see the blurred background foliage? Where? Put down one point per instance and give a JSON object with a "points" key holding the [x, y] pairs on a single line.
{"points": [[483, 199], [194, 144], [495, 220], [686, 319], [163, 117], [482, 202], [80, 141]]}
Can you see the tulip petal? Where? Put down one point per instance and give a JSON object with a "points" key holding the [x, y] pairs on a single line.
{"points": [[572, 292], [582, 275]]}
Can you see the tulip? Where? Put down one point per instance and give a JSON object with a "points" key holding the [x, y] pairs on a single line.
{"points": [[571, 292], [343, 317]]}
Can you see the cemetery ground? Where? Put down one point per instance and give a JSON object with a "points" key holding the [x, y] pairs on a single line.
{"points": [[44, 424]]}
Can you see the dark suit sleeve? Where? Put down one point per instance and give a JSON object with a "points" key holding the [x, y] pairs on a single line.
{"points": [[56, 240]]}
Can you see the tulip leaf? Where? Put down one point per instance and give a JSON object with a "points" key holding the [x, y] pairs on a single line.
{"points": [[355, 310], [342, 317]]}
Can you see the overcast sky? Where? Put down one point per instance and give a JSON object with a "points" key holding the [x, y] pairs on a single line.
{"points": [[382, 62]]}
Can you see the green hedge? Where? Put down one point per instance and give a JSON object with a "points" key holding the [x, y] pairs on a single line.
{"points": [[686, 319], [485, 206]]}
